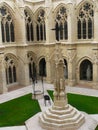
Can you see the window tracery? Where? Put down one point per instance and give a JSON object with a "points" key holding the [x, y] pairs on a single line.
{"points": [[10, 70], [40, 27], [7, 26], [61, 24], [32, 67], [86, 21], [29, 27]]}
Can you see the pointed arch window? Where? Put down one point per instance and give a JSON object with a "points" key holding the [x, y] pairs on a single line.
{"points": [[65, 69], [11, 76], [85, 22], [7, 26], [61, 25], [40, 27], [86, 70], [29, 27], [42, 67], [32, 67]]}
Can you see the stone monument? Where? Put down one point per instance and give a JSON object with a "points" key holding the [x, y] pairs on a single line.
{"points": [[61, 116]]}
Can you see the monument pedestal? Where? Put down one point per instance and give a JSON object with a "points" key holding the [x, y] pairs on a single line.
{"points": [[61, 118]]}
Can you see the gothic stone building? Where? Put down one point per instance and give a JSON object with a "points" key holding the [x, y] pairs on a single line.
{"points": [[30, 31]]}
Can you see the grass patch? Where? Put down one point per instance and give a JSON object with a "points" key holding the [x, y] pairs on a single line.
{"points": [[96, 128], [17, 111], [87, 104]]}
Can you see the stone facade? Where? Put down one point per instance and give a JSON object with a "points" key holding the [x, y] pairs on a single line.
{"points": [[32, 45]]}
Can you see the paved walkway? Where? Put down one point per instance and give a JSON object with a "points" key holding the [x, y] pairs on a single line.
{"points": [[22, 91]]}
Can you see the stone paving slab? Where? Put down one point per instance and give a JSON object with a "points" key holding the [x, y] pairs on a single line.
{"points": [[15, 94], [14, 128], [82, 91]]}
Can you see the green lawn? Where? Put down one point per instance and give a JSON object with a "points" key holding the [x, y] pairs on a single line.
{"points": [[88, 104], [96, 128], [17, 111]]}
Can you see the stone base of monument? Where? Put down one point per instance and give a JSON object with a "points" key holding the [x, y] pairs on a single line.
{"points": [[61, 118], [37, 94]]}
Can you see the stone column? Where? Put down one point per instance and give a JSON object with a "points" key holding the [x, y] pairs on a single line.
{"points": [[72, 30], [60, 98], [95, 68], [20, 28], [50, 34], [23, 69], [3, 86], [34, 31], [71, 67], [48, 69]]}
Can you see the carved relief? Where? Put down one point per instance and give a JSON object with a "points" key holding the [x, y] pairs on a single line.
{"points": [[71, 54], [95, 58]]}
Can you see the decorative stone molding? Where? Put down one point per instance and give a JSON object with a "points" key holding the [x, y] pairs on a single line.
{"points": [[71, 54], [95, 56]]}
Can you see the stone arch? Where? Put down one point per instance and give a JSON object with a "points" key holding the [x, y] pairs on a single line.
{"points": [[66, 68], [29, 11], [83, 2], [40, 26], [37, 11], [11, 66], [10, 9], [86, 69], [29, 25], [10, 55], [7, 23], [83, 58], [85, 20], [58, 7], [32, 64], [61, 23], [42, 67]]}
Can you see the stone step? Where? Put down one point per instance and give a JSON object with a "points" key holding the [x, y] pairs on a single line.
{"points": [[63, 111], [60, 115], [61, 108], [72, 119], [70, 125]]}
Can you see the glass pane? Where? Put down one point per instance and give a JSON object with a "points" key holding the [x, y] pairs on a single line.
{"points": [[14, 73], [65, 30], [28, 33], [84, 29], [37, 32], [41, 32], [2, 29], [57, 31], [10, 75], [12, 32], [89, 29], [61, 31], [7, 32], [79, 29], [32, 34]]}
